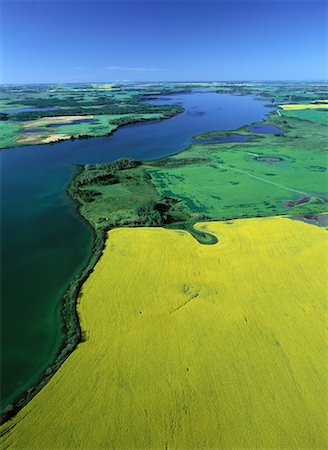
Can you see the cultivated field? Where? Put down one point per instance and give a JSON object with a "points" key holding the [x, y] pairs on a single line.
{"points": [[269, 174], [31, 115], [274, 167], [319, 104], [194, 346]]}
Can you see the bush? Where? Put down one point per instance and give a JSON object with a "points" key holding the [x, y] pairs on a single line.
{"points": [[125, 163], [88, 196], [88, 178], [149, 215]]}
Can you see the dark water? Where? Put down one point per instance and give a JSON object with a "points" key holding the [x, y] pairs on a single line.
{"points": [[265, 129], [19, 110], [45, 242], [232, 138], [31, 131], [73, 122], [221, 139]]}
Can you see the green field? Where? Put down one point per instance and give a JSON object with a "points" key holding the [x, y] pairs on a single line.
{"points": [[107, 106], [270, 174], [248, 179], [112, 105], [52, 129], [267, 175], [278, 92], [311, 115], [9, 131]]}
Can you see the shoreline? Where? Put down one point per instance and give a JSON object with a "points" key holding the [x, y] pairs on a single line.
{"points": [[130, 121], [59, 404], [70, 324]]}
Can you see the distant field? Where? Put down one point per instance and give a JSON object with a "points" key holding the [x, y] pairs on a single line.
{"points": [[193, 346], [31, 115], [50, 129], [245, 180], [269, 174], [310, 115], [320, 104], [27, 104]]}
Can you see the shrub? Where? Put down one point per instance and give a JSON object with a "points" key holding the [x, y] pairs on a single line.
{"points": [[149, 215], [88, 196]]}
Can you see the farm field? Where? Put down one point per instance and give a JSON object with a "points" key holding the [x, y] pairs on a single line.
{"points": [[279, 167], [310, 115], [41, 114], [283, 172], [53, 129], [319, 104], [163, 225], [273, 167], [279, 92], [39, 218], [205, 347], [44, 114]]}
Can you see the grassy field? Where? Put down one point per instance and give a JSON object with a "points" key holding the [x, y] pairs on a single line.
{"points": [[43, 114], [193, 346], [278, 92], [310, 115], [104, 101], [8, 132], [52, 129], [186, 345], [267, 175], [121, 193], [247, 180]]}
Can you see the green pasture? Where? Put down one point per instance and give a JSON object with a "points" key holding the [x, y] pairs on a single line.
{"points": [[270, 174], [311, 115], [9, 131], [122, 197], [102, 125], [118, 202], [124, 99], [267, 175]]}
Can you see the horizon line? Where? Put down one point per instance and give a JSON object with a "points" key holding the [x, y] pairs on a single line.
{"points": [[310, 80]]}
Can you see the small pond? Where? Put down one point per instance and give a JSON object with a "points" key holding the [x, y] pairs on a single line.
{"points": [[265, 129]]}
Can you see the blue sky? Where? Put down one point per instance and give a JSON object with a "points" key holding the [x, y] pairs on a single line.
{"points": [[77, 41]]}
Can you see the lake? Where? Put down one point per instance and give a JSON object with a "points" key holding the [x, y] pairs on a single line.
{"points": [[19, 110], [45, 242]]}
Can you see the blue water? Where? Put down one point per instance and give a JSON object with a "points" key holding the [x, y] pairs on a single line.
{"points": [[19, 110], [265, 129], [222, 139], [73, 122], [31, 131], [45, 242]]}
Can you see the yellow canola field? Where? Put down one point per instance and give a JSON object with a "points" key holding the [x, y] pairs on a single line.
{"points": [[299, 106], [192, 346]]}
